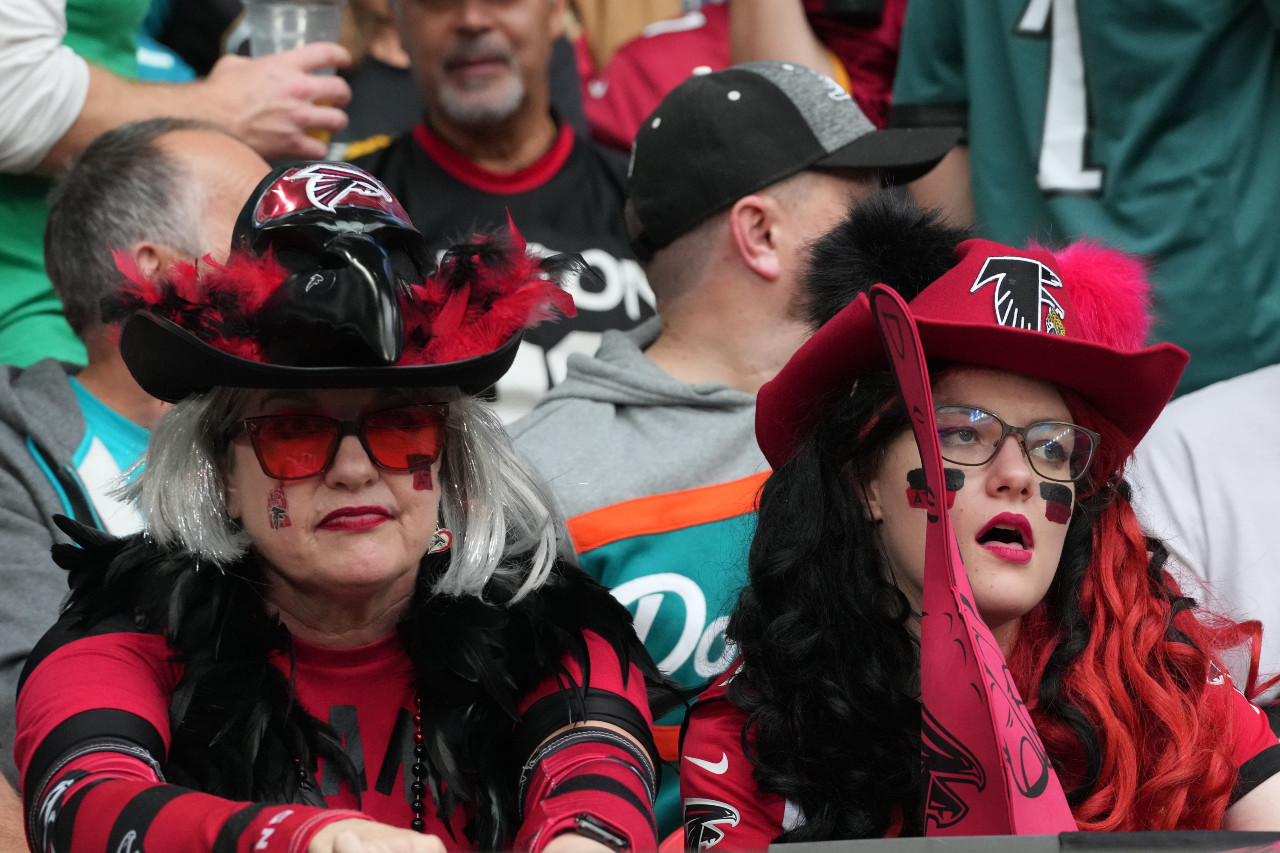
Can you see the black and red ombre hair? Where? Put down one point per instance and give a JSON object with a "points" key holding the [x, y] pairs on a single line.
{"points": [[1114, 665], [327, 286]]}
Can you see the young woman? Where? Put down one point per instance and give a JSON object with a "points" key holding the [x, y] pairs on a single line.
{"points": [[346, 626], [816, 732]]}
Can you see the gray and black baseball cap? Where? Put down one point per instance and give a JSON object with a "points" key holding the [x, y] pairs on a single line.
{"points": [[718, 137]]}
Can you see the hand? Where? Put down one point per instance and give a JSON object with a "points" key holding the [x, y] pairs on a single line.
{"points": [[366, 836], [572, 842], [272, 101]]}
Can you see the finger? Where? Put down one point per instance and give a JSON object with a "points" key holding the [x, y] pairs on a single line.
{"points": [[316, 56], [327, 89], [320, 117], [302, 147]]}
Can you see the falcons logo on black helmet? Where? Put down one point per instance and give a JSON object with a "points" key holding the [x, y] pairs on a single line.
{"points": [[329, 184], [1022, 297]]}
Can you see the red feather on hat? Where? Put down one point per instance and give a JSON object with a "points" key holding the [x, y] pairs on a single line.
{"points": [[484, 293]]}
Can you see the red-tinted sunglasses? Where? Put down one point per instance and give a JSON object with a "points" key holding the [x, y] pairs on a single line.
{"points": [[296, 446]]}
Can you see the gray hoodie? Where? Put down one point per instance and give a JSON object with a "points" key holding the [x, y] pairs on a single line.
{"points": [[42, 429], [620, 427]]}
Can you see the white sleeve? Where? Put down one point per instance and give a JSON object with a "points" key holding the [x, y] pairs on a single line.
{"points": [[1166, 492], [43, 83]]}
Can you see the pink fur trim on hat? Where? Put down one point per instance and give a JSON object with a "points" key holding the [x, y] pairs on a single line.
{"points": [[1110, 292]]}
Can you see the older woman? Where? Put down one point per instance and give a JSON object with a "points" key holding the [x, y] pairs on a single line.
{"points": [[345, 626], [1036, 413]]}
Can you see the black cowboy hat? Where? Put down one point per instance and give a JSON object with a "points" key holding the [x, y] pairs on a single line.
{"points": [[327, 287]]}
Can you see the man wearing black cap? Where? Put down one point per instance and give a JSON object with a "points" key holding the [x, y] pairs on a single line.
{"points": [[649, 445]]}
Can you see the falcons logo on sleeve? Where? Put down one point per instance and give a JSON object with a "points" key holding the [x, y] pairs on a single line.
{"points": [[1022, 294], [700, 819]]}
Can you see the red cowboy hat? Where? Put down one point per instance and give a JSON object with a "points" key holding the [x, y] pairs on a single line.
{"points": [[998, 307]]}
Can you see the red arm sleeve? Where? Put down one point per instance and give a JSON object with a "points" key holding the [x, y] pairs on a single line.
{"points": [[591, 779], [723, 807], [92, 738]]}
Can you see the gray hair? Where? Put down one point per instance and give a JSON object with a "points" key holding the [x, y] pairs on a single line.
{"points": [[122, 188], [504, 529]]}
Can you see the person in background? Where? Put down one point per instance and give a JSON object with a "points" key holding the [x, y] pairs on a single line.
{"points": [[1201, 480], [490, 147], [1040, 395], [67, 70], [648, 444], [347, 625], [1154, 126], [155, 191], [856, 44]]}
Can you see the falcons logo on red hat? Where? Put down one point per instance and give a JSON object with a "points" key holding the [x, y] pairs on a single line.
{"points": [[1022, 297]]}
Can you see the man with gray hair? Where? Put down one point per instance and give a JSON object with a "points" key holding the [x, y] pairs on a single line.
{"points": [[152, 192]]}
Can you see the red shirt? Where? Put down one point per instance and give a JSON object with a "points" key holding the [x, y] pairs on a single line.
{"points": [[724, 808]]}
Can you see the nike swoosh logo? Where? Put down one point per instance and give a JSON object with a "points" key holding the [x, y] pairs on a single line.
{"points": [[717, 768]]}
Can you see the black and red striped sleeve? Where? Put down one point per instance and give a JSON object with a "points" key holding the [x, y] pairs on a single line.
{"points": [[92, 738], [592, 768]]}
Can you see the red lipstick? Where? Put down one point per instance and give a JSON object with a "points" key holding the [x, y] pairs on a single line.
{"points": [[354, 518], [1008, 536]]}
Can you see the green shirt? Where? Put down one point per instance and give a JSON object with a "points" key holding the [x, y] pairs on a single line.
{"points": [[31, 322], [1150, 125]]}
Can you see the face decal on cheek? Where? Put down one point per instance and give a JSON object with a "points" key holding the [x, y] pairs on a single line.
{"points": [[278, 508], [422, 475], [1058, 502], [918, 490]]}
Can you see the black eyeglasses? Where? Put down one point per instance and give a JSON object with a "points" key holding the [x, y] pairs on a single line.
{"points": [[1057, 450], [296, 446]]}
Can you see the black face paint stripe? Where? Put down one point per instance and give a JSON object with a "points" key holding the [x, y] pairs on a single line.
{"points": [[953, 479], [1058, 502], [918, 494]]}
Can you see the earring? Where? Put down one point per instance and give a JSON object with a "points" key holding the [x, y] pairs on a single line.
{"points": [[441, 540]]}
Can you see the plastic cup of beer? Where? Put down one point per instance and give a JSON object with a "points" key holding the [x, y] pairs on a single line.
{"points": [[280, 25]]}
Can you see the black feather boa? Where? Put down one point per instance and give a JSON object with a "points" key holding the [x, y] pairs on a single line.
{"points": [[237, 731]]}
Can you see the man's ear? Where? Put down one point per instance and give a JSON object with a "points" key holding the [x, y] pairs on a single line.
{"points": [[152, 259], [559, 11], [752, 223]]}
